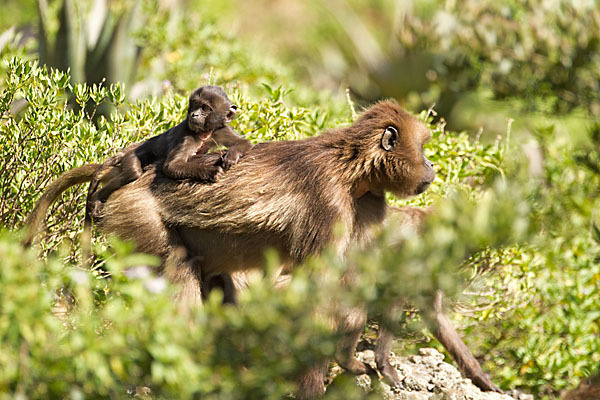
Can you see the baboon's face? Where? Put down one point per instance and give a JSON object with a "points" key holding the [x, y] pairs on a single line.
{"points": [[209, 109], [396, 141]]}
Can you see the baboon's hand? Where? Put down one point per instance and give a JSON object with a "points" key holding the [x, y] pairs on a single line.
{"points": [[231, 157], [211, 173]]}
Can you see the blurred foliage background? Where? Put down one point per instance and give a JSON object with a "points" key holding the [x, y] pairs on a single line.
{"points": [[516, 142]]}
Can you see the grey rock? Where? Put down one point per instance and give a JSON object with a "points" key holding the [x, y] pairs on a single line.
{"points": [[426, 377]]}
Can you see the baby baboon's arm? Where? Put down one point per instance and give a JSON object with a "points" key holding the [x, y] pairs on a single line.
{"points": [[236, 144], [181, 162]]}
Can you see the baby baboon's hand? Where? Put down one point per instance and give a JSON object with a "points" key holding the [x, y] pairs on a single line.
{"points": [[213, 173], [206, 167], [230, 158]]}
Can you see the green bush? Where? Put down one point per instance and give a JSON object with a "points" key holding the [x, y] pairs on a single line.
{"points": [[107, 335], [541, 314]]}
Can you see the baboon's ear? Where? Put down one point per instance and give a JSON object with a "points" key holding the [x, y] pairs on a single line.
{"points": [[231, 113], [389, 138]]}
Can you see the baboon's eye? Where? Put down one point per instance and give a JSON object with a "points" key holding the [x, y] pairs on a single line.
{"points": [[389, 138], [206, 108]]}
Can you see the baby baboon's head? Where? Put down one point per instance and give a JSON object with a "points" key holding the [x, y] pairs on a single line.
{"points": [[209, 109]]}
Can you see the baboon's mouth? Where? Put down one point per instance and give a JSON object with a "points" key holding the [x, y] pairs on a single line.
{"points": [[422, 187], [205, 135], [196, 125]]}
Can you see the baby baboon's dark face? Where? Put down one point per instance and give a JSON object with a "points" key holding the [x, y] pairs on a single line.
{"points": [[209, 109]]}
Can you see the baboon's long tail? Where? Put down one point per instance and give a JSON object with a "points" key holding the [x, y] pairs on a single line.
{"points": [[447, 335], [76, 176]]}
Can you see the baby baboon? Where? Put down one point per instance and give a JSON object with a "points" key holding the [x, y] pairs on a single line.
{"points": [[182, 148]]}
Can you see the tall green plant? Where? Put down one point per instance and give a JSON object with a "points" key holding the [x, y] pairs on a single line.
{"points": [[94, 39]]}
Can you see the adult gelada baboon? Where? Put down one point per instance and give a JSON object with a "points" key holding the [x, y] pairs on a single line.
{"points": [[285, 195]]}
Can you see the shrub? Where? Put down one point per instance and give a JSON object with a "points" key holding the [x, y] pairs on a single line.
{"points": [[538, 325], [532, 317]]}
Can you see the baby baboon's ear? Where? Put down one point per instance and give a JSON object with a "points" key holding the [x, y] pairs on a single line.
{"points": [[231, 113], [389, 138]]}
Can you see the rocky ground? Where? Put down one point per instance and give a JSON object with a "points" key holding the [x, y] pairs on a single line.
{"points": [[427, 377]]}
